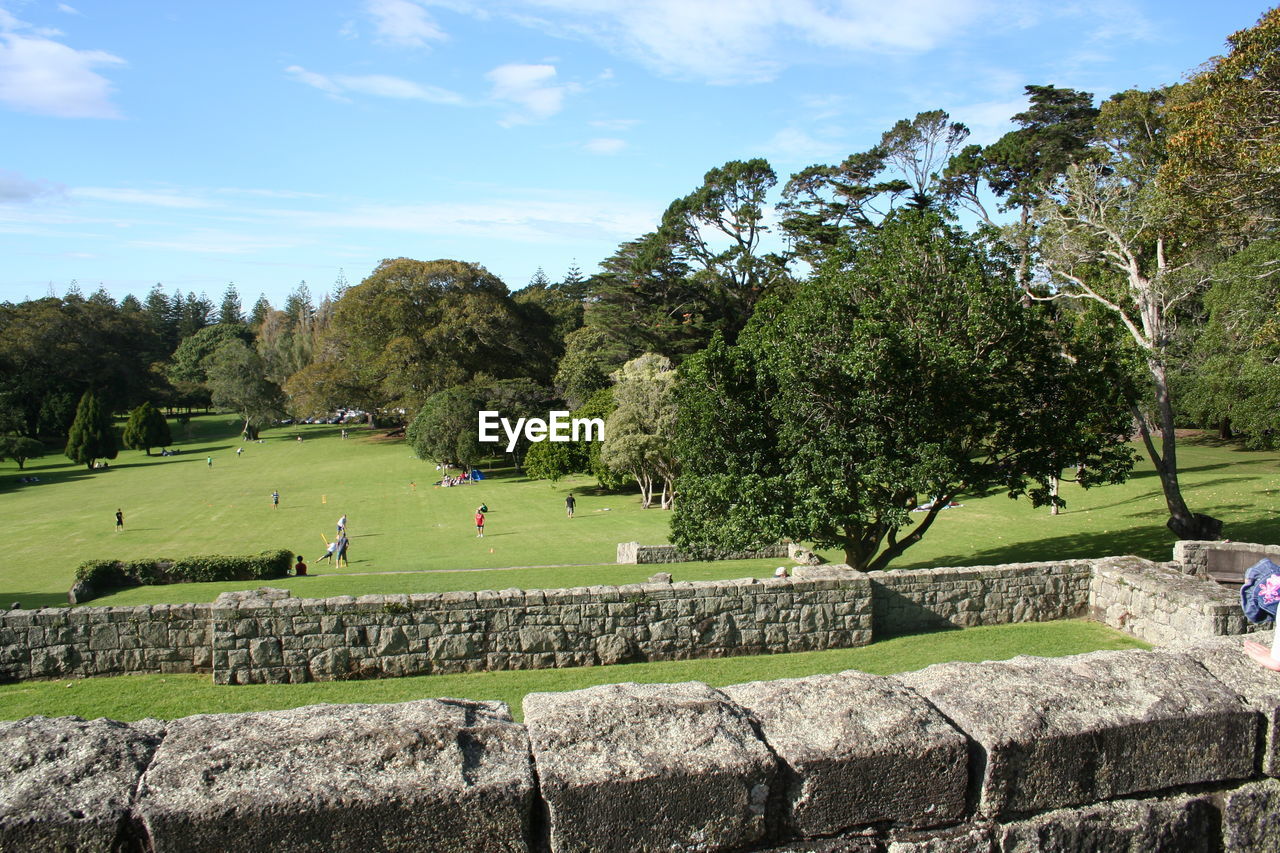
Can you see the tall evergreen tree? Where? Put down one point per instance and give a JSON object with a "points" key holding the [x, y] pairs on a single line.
{"points": [[146, 429], [92, 437], [231, 310]]}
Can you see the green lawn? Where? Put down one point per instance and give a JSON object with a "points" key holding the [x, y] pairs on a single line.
{"points": [[170, 696], [421, 539]]}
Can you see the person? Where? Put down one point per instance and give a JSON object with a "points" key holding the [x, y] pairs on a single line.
{"points": [[239, 450], [569, 503], [119, 520], [328, 552], [300, 568], [342, 524], [479, 524], [484, 507], [209, 460], [341, 551], [275, 501]]}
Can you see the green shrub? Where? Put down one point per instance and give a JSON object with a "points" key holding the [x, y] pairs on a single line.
{"points": [[104, 575]]}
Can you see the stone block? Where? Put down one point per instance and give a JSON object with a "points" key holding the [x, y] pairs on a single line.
{"points": [[1055, 732], [67, 784], [648, 767], [440, 775], [1251, 818], [1182, 824], [861, 749], [1227, 662]]}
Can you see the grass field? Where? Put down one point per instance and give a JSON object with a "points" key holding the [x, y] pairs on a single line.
{"points": [[418, 538], [169, 696]]}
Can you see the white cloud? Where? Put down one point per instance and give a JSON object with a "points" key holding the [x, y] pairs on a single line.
{"points": [[616, 124], [15, 187], [790, 144], [535, 220], [380, 85], [736, 41], [528, 88], [403, 22], [989, 120], [604, 145], [69, 10], [42, 76], [212, 241], [150, 198]]}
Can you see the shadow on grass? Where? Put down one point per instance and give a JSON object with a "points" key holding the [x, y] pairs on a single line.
{"points": [[1153, 543], [32, 600]]}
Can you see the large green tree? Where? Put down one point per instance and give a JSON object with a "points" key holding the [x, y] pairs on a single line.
{"points": [[19, 448], [1111, 233], [237, 381], [145, 429], [640, 431], [413, 328], [904, 376], [1232, 378], [1225, 154], [92, 436]]}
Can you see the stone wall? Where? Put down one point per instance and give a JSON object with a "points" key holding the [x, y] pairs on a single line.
{"points": [[1125, 751], [1161, 605], [931, 599], [291, 640], [60, 642], [633, 552], [247, 637], [1199, 557]]}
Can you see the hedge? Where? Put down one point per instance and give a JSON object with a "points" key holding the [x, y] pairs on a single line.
{"points": [[104, 575]]}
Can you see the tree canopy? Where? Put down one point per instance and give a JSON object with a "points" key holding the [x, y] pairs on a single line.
{"points": [[905, 375]]}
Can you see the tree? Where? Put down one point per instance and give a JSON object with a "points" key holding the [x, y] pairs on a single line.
{"points": [[1233, 379], [552, 460], [413, 328], [146, 428], [1053, 133], [92, 436], [1226, 154], [237, 381], [902, 377], [918, 149], [1110, 234], [445, 429], [719, 227], [261, 309], [20, 448], [231, 311], [639, 431]]}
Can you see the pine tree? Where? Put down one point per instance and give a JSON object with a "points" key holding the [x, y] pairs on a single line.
{"points": [[146, 429], [261, 309], [231, 311], [92, 436]]}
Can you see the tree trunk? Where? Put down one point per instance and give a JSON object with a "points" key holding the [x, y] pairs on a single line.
{"points": [[1182, 521], [1224, 429]]}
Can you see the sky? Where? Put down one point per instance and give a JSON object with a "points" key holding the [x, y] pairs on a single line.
{"points": [[196, 144]]}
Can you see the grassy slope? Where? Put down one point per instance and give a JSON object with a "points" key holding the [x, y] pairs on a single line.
{"points": [[171, 696], [178, 505]]}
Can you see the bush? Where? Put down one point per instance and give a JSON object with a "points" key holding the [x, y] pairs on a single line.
{"points": [[105, 575]]}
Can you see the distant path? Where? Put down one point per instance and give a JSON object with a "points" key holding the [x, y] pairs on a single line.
{"points": [[445, 571]]}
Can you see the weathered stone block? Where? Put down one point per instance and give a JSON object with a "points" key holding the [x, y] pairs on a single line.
{"points": [[67, 784], [1054, 732], [441, 775], [641, 767], [1251, 818], [1183, 824], [861, 749], [1227, 662]]}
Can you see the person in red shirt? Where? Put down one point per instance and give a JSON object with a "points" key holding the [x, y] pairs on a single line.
{"points": [[300, 568], [479, 524]]}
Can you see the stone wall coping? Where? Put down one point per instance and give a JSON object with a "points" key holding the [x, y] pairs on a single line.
{"points": [[1129, 746]]}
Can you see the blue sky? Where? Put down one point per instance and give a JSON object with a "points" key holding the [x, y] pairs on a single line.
{"points": [[264, 143]]}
